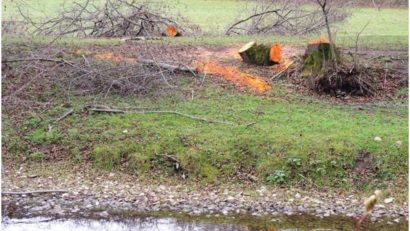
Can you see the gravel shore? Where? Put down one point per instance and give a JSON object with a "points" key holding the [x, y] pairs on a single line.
{"points": [[100, 192]]}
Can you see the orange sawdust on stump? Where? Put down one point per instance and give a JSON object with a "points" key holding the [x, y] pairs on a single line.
{"points": [[172, 31], [275, 53], [233, 75]]}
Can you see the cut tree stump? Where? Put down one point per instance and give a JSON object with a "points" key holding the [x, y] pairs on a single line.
{"points": [[317, 55], [322, 48], [172, 31], [275, 53], [258, 54]]}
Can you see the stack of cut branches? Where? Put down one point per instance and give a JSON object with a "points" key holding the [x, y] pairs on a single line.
{"points": [[285, 18], [110, 18], [42, 75]]}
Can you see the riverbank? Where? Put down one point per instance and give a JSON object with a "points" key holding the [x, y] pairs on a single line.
{"points": [[91, 192]]}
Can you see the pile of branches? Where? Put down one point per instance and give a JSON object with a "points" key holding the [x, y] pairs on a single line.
{"points": [[108, 18], [38, 77], [287, 18], [345, 80]]}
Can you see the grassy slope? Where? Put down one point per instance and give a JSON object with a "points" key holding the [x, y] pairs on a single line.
{"points": [[294, 139], [387, 27]]}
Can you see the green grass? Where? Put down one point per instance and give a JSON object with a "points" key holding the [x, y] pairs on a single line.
{"points": [[387, 27], [293, 140], [386, 22], [370, 42]]}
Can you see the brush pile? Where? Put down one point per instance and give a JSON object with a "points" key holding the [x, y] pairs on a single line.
{"points": [[35, 77], [119, 18]]}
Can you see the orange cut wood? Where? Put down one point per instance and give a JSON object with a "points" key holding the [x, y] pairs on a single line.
{"points": [[322, 39], [172, 31], [275, 53]]}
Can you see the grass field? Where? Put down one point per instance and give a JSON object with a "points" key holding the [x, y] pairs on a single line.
{"points": [[386, 28]]}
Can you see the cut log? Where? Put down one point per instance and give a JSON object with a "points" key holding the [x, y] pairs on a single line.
{"points": [[275, 54], [258, 54], [172, 31]]}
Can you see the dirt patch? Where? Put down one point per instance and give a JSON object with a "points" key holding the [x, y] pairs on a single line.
{"points": [[365, 169]]}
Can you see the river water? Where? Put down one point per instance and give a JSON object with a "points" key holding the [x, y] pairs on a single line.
{"points": [[146, 224], [176, 224]]}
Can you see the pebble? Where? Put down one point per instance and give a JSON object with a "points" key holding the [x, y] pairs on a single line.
{"points": [[377, 139], [297, 195], [388, 200], [104, 214]]}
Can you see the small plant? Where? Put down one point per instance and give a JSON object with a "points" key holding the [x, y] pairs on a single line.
{"points": [[32, 123], [36, 156], [278, 177], [294, 162], [41, 136]]}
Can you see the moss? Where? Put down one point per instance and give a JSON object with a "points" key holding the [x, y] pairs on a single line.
{"points": [[41, 136], [318, 59], [110, 156], [259, 54], [208, 173]]}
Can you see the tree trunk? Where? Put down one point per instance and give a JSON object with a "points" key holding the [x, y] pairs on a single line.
{"points": [[260, 54]]}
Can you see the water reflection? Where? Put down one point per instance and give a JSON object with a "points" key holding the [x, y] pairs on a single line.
{"points": [[149, 223], [143, 224]]}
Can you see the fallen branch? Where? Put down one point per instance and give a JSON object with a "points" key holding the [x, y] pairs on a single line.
{"points": [[107, 110], [185, 115], [281, 72], [32, 59], [170, 67], [34, 192], [115, 110], [69, 112]]}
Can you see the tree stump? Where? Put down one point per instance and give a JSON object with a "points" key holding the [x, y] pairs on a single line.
{"points": [[172, 31], [258, 54], [322, 48], [318, 55]]}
